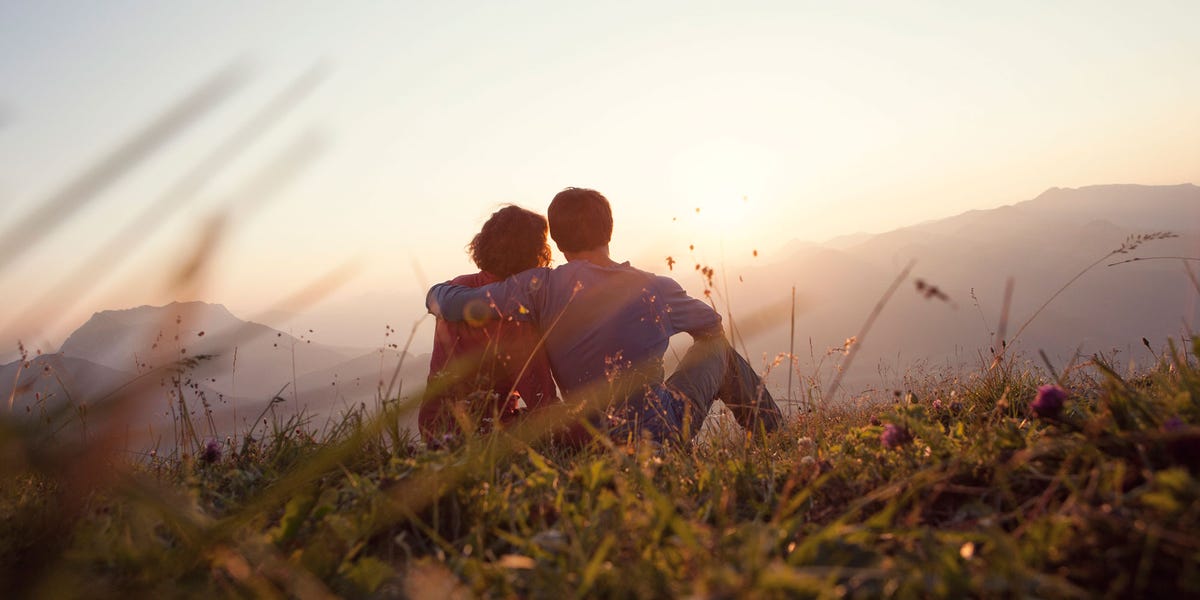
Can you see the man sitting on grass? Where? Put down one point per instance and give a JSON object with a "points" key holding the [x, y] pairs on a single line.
{"points": [[606, 327]]}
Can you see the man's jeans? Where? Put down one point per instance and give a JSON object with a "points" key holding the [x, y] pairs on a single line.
{"points": [[710, 369]]}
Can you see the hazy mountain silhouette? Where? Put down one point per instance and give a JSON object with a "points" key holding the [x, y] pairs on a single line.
{"points": [[141, 338], [236, 368], [1041, 243]]}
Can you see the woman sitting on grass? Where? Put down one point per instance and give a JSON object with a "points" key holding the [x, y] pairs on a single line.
{"points": [[485, 370]]}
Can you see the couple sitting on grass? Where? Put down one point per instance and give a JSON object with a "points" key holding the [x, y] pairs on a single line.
{"points": [[597, 327]]}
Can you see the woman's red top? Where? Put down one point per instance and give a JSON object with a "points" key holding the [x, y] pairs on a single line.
{"points": [[490, 356]]}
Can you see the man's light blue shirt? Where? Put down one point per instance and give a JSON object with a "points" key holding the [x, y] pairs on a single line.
{"points": [[594, 318]]}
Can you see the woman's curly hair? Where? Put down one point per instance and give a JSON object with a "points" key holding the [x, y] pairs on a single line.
{"points": [[512, 240]]}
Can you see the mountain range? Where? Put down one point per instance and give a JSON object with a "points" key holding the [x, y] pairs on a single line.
{"points": [[1040, 245]]}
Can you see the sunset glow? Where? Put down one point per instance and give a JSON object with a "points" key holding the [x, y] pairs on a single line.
{"points": [[719, 177], [784, 122]]}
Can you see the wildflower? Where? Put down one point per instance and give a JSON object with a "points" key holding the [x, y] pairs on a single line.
{"points": [[894, 436], [874, 421], [937, 404], [1049, 401], [1174, 424], [211, 452]]}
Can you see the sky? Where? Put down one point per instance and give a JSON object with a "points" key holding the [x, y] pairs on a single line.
{"points": [[733, 127]]}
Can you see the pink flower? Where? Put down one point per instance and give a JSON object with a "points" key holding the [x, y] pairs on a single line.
{"points": [[894, 436], [1049, 401], [211, 452]]}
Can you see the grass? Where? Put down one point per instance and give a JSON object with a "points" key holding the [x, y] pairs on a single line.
{"points": [[971, 495], [981, 498]]}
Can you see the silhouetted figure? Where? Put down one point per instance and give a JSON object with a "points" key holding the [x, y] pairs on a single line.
{"points": [[487, 368], [607, 326]]}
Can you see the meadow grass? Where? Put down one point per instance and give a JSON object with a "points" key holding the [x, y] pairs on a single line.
{"points": [[954, 487], [985, 484]]}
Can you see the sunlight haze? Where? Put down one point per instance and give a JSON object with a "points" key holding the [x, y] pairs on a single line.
{"points": [[734, 127]]}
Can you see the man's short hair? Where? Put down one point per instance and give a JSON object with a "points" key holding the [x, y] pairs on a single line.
{"points": [[580, 219]]}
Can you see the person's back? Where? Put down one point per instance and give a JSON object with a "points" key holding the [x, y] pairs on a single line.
{"points": [[495, 363], [598, 319], [607, 323], [502, 355]]}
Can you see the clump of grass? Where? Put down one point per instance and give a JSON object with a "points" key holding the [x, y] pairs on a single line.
{"points": [[981, 495]]}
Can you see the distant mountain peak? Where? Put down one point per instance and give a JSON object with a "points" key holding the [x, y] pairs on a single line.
{"points": [[124, 331], [142, 337], [190, 306], [1111, 189]]}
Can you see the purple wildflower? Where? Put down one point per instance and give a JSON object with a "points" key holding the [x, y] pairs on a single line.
{"points": [[937, 404], [211, 452], [1174, 424], [445, 441], [894, 436], [1049, 401], [874, 420]]}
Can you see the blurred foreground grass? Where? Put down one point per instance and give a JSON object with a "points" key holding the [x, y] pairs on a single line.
{"points": [[960, 485], [956, 487]]}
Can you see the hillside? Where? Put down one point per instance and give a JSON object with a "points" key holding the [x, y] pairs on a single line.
{"points": [[982, 484], [51, 380], [1041, 244]]}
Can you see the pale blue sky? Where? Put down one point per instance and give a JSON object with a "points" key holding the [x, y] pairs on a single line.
{"points": [[829, 117]]}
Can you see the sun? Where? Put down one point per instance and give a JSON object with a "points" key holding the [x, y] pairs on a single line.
{"points": [[717, 184]]}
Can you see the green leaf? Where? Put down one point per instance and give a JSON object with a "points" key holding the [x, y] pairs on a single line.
{"points": [[368, 573], [294, 513]]}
